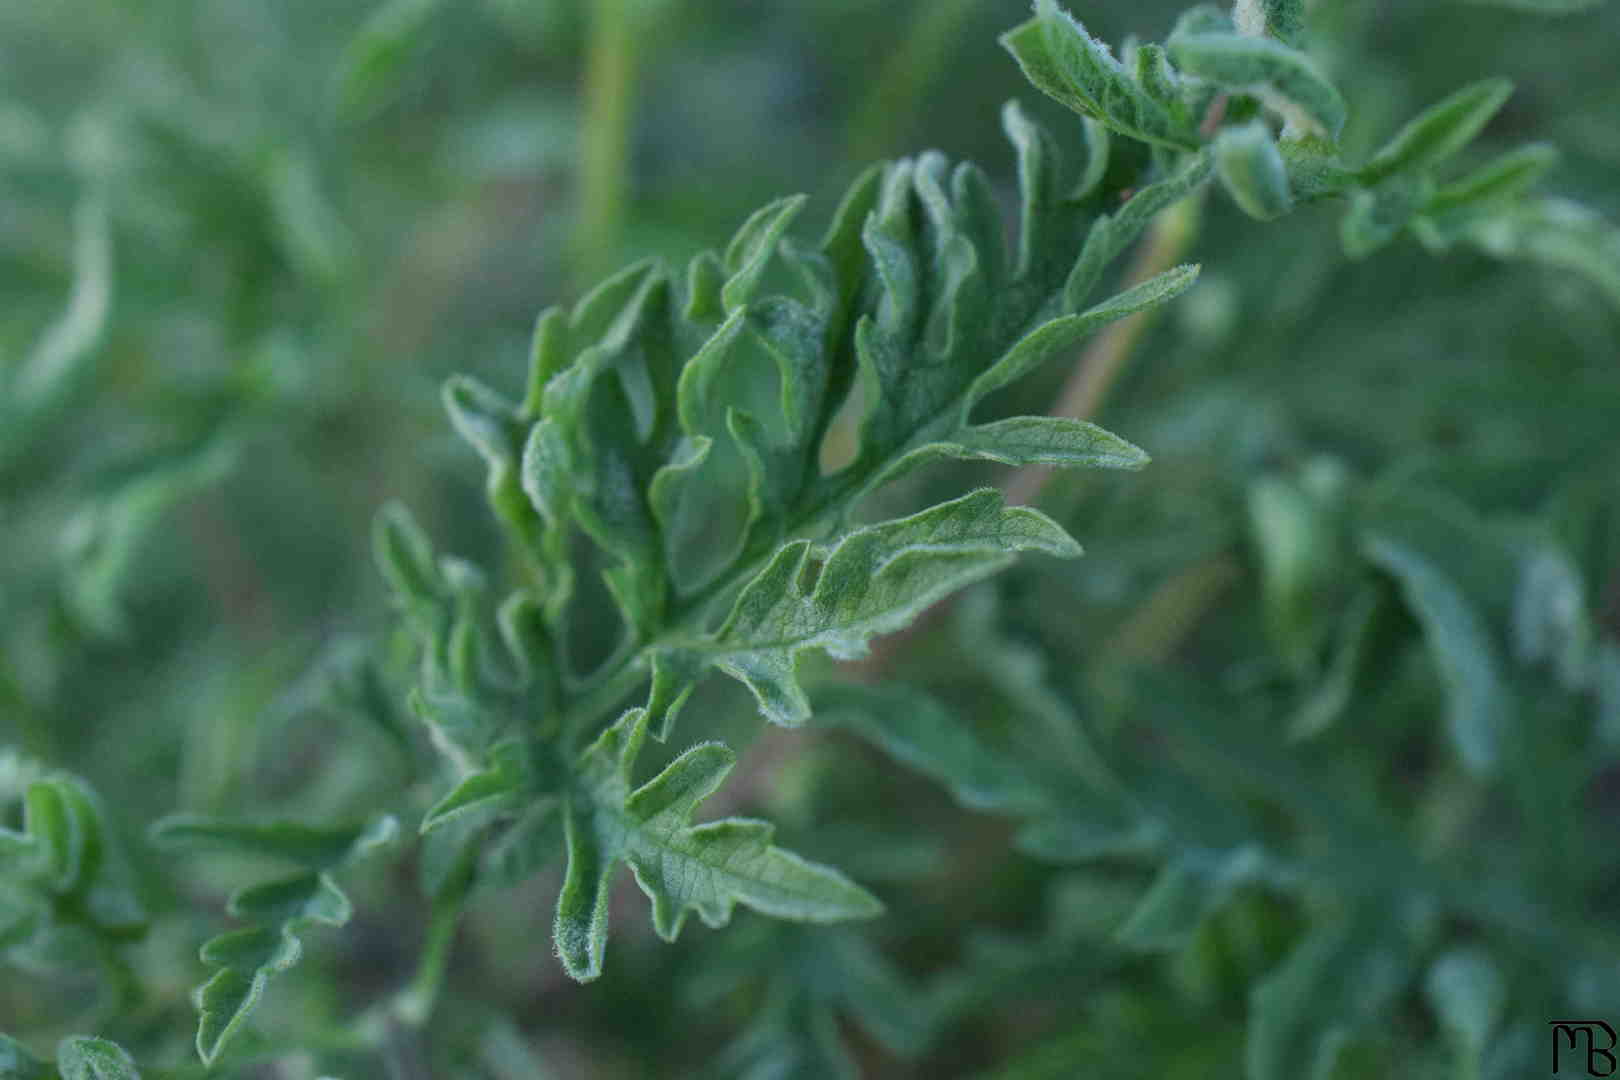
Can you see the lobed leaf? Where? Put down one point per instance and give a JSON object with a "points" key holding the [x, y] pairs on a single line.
{"points": [[280, 910], [875, 581], [682, 867]]}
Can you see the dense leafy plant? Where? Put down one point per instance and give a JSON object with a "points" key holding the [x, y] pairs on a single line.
{"points": [[1304, 771]]}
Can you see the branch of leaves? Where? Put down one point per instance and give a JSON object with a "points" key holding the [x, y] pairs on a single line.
{"points": [[1159, 94], [279, 910], [695, 477], [64, 883]]}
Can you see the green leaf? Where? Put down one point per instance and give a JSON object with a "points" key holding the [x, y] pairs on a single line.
{"points": [[1066, 839], [1542, 7], [16, 1063], [491, 789], [247, 959], [1439, 132], [751, 250], [1253, 171], [1551, 625], [874, 581], [1344, 976], [372, 67], [921, 733], [682, 867], [1064, 61], [48, 373], [1041, 440], [1300, 554], [1190, 889], [1283, 19], [80, 1057], [1556, 232], [280, 910], [1328, 700], [1503, 180], [1285, 79], [1467, 991], [104, 537], [1111, 234], [1377, 215], [1606, 677], [315, 847], [1481, 709], [1060, 334]]}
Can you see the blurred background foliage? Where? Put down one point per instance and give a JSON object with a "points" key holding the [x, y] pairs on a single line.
{"points": [[241, 246]]}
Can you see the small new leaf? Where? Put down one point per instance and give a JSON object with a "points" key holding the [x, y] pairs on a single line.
{"points": [[1061, 58], [1285, 79], [1253, 171]]}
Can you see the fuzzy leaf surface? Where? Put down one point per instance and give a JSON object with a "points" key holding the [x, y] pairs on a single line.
{"points": [[682, 867]]}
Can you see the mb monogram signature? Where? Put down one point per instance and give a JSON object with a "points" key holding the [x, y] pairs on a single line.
{"points": [[1582, 1043]]}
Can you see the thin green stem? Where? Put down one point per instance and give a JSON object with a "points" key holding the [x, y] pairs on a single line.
{"points": [[415, 1003], [610, 73], [912, 69]]}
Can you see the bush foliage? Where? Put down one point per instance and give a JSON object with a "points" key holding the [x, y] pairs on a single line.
{"points": [[758, 572]]}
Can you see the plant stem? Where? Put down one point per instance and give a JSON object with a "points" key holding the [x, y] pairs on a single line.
{"points": [[896, 92], [414, 1004], [610, 71]]}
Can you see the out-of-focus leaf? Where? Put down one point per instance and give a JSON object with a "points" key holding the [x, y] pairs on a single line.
{"points": [[1253, 171], [279, 910], [1439, 132], [923, 734], [373, 64], [80, 1057], [315, 847], [1467, 991], [1341, 978], [1290, 82], [1542, 7], [1190, 888], [16, 1063], [1412, 547], [1550, 622]]}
